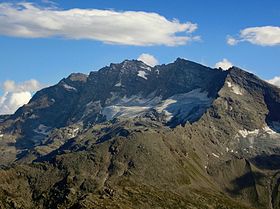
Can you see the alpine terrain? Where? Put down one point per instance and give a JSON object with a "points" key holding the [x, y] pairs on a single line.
{"points": [[180, 135]]}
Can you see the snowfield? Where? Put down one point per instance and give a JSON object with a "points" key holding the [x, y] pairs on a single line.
{"points": [[187, 106]]}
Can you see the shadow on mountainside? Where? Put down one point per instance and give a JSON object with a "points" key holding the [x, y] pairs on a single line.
{"points": [[268, 162], [245, 181], [272, 100]]}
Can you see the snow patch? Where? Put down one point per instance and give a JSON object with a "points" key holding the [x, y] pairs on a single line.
{"points": [[244, 133], [118, 84], [229, 84], [146, 68], [68, 87], [122, 111], [42, 129], [215, 155], [187, 106], [163, 108], [129, 107], [73, 132], [235, 88], [33, 116], [264, 130], [268, 130], [142, 74]]}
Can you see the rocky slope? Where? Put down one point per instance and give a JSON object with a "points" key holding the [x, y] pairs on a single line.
{"points": [[180, 135]]}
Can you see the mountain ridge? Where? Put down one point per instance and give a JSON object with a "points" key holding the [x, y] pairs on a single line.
{"points": [[180, 135]]}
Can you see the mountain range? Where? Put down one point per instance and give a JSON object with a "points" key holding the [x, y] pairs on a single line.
{"points": [[180, 135]]}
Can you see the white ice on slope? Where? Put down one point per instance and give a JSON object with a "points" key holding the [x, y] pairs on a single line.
{"points": [[118, 84], [264, 130], [235, 88], [215, 155], [244, 133], [42, 129], [122, 111], [142, 74], [72, 132], [146, 68], [268, 130], [180, 105], [69, 88], [229, 84], [129, 107], [163, 108]]}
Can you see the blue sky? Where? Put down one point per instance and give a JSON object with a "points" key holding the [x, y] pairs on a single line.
{"points": [[48, 58]]}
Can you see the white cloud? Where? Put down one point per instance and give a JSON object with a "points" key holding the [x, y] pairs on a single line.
{"points": [[30, 85], [17, 94], [224, 64], [263, 36], [126, 27], [148, 59], [231, 41], [275, 81], [10, 102]]}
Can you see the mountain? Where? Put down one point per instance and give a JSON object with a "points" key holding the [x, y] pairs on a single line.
{"points": [[180, 135]]}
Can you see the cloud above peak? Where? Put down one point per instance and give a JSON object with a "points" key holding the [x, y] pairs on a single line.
{"points": [[224, 64], [17, 94], [148, 59], [275, 81], [263, 36], [30, 85], [113, 27]]}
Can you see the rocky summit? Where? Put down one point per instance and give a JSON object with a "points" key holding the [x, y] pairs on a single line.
{"points": [[180, 135]]}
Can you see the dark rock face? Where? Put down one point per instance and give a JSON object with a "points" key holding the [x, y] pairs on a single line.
{"points": [[180, 135]]}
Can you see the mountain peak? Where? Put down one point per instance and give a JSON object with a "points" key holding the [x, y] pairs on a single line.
{"points": [[126, 64], [179, 59], [77, 77]]}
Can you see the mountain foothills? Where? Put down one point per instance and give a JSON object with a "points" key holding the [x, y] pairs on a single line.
{"points": [[180, 135]]}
